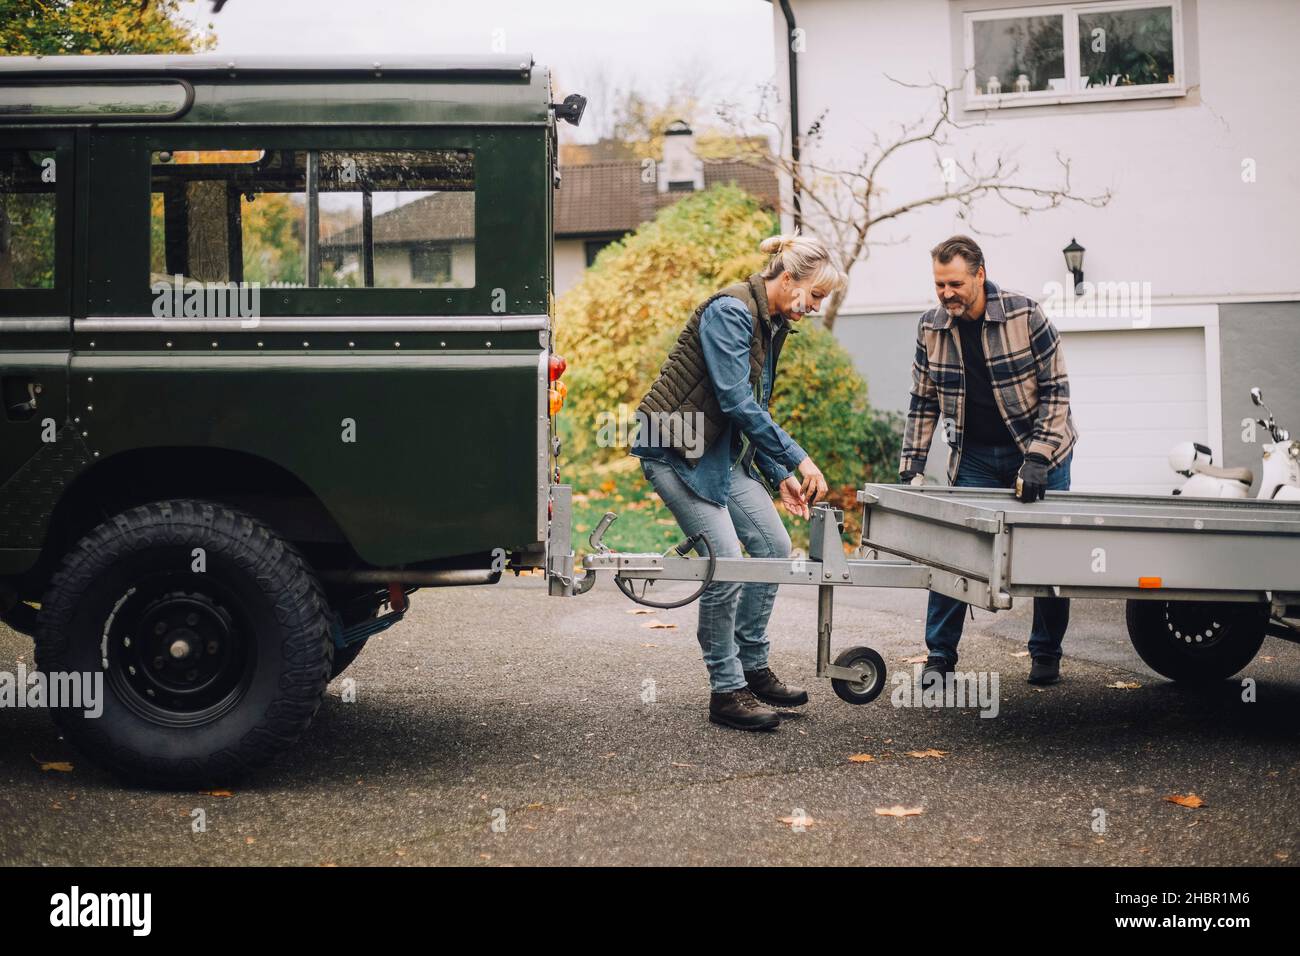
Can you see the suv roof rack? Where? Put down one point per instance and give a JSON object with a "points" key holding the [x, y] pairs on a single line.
{"points": [[212, 66]]}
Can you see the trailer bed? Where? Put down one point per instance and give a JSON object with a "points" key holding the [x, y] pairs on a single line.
{"points": [[1080, 544]]}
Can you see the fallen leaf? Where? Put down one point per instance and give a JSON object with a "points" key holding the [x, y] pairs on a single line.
{"points": [[1124, 685], [216, 793], [928, 753], [658, 625], [249, 841], [861, 758], [918, 659], [797, 821], [899, 811], [1282, 856], [1020, 654], [607, 487], [676, 764], [62, 766], [649, 645], [1190, 800], [640, 610]]}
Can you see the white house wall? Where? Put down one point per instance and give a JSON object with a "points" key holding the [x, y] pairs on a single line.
{"points": [[1215, 249], [1181, 217], [570, 263]]}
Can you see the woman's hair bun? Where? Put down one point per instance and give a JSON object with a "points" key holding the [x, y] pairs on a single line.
{"points": [[774, 244]]}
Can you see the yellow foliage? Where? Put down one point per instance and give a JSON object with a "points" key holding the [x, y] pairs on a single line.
{"points": [[615, 326]]}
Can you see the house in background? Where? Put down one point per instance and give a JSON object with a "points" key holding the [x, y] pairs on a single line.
{"points": [[600, 202], [426, 242], [1186, 113]]}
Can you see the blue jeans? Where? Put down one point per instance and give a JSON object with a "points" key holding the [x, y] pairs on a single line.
{"points": [[732, 627], [985, 466]]}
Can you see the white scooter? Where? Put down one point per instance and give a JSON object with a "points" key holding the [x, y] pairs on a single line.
{"points": [[1281, 480]]}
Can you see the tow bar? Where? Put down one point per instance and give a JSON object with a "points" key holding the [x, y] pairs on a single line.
{"points": [[857, 674]]}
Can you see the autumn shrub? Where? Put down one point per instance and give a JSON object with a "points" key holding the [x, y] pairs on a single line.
{"points": [[616, 325]]}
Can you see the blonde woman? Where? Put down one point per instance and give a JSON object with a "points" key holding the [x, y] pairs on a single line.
{"points": [[710, 448]]}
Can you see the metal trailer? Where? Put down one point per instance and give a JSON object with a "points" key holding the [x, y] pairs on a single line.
{"points": [[1205, 579]]}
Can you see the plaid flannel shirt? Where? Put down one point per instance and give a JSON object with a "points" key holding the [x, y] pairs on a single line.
{"points": [[1023, 352]]}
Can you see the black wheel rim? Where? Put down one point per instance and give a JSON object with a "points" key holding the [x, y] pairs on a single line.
{"points": [[1198, 627], [179, 650]]}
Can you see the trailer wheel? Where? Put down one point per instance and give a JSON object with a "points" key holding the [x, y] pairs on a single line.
{"points": [[1196, 641], [210, 636], [872, 668]]}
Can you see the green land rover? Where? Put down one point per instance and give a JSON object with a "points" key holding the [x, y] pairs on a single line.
{"points": [[275, 350]]}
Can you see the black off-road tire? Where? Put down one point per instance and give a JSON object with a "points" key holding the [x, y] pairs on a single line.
{"points": [[253, 623]]}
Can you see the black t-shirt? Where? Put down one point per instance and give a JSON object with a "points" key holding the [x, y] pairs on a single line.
{"points": [[984, 424]]}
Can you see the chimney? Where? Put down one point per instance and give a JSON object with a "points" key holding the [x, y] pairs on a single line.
{"points": [[680, 170]]}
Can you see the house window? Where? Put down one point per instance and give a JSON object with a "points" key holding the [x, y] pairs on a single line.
{"points": [[431, 264], [592, 248], [1072, 53]]}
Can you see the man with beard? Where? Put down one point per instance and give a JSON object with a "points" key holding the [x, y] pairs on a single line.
{"points": [[988, 364]]}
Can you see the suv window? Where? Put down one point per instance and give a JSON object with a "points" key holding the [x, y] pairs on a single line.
{"points": [[27, 207], [293, 218]]}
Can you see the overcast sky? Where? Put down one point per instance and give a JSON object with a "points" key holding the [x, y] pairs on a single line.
{"points": [[642, 42]]}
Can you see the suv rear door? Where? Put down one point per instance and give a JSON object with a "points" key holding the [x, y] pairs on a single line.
{"points": [[38, 446]]}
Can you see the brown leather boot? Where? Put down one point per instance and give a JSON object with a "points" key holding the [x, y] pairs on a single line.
{"points": [[742, 710], [768, 688]]}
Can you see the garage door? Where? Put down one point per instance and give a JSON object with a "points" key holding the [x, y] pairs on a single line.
{"points": [[1134, 394]]}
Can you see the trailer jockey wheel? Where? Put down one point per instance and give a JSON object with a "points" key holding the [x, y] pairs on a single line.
{"points": [[872, 668]]}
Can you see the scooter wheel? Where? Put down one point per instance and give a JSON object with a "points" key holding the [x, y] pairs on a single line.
{"points": [[871, 667]]}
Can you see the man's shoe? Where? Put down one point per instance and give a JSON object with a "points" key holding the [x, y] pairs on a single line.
{"points": [[742, 710], [938, 666], [768, 688], [1045, 670]]}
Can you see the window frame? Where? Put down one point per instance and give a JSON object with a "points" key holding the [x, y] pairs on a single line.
{"points": [[512, 244], [55, 301], [1073, 93], [313, 242]]}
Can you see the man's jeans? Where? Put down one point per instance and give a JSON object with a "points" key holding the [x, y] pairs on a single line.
{"points": [[733, 617], [985, 466]]}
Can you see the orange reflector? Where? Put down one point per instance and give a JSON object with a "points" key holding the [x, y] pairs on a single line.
{"points": [[557, 394], [1150, 583]]}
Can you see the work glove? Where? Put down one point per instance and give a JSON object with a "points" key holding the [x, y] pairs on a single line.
{"points": [[911, 478], [1031, 482]]}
